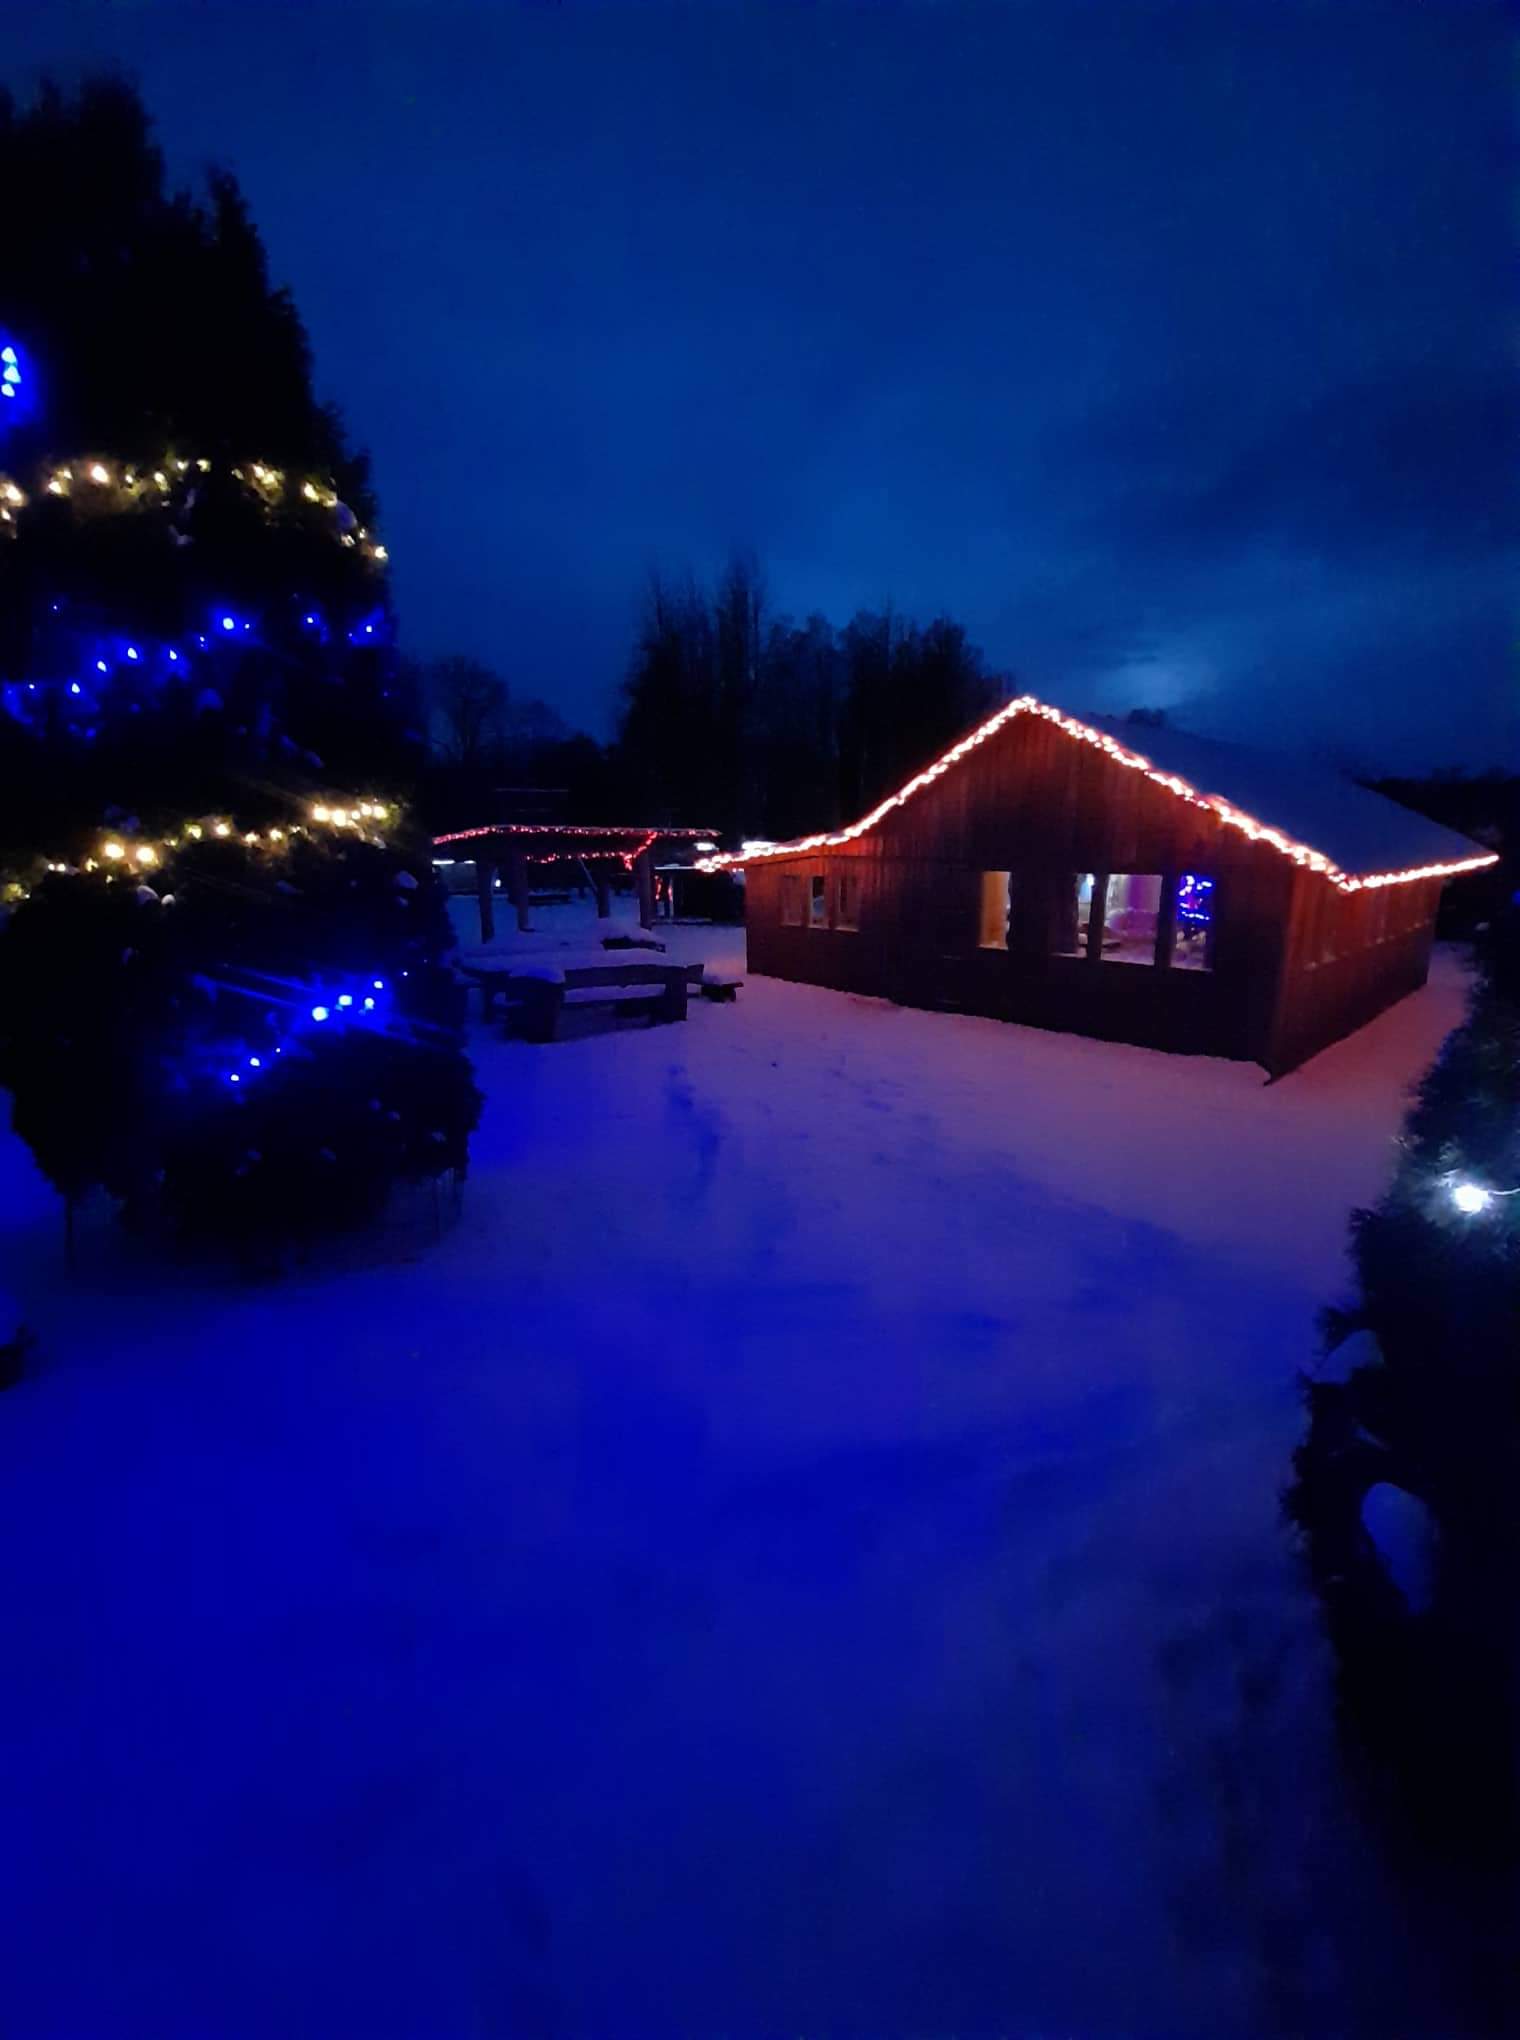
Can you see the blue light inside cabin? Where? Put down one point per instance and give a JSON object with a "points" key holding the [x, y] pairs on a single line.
{"points": [[1194, 899]]}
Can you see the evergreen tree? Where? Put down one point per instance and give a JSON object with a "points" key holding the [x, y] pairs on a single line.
{"points": [[192, 601], [225, 1000], [757, 727], [1432, 1409]]}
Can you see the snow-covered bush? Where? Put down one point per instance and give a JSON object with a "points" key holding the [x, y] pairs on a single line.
{"points": [[1425, 1406], [258, 1045]]}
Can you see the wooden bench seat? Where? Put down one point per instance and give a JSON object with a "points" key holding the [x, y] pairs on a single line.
{"points": [[614, 995]]}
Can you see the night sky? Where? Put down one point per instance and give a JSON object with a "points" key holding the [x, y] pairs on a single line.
{"points": [[1172, 349]]}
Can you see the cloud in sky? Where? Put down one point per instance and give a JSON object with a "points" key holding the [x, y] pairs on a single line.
{"points": [[1167, 345]]}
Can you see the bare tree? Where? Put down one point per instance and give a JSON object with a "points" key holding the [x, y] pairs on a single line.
{"points": [[469, 710]]}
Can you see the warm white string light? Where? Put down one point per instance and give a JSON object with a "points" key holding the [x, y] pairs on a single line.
{"points": [[1136, 761], [115, 853], [1473, 1199], [267, 483]]}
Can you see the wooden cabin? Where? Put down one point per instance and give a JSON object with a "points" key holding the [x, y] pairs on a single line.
{"points": [[1130, 882]]}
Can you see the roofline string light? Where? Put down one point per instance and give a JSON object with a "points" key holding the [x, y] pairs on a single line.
{"points": [[566, 829], [1026, 704]]}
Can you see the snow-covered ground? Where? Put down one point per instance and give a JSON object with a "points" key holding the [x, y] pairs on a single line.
{"points": [[800, 1555]]}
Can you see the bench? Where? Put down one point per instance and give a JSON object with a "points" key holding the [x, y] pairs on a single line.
{"points": [[655, 989]]}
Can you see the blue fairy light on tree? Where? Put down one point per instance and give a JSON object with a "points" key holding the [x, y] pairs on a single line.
{"points": [[17, 383]]}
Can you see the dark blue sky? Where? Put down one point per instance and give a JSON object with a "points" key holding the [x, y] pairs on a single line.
{"points": [[1170, 348]]}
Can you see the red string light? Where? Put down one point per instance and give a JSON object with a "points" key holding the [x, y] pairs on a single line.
{"points": [[571, 829]]}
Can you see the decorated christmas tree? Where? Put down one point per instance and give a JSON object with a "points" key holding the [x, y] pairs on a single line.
{"points": [[220, 988]]}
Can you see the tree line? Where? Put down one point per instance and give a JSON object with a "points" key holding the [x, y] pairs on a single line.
{"points": [[732, 715]]}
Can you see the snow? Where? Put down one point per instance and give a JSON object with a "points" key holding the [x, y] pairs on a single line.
{"points": [[1303, 797], [801, 1553], [1403, 1534]]}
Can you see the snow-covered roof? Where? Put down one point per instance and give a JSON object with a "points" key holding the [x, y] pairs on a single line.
{"points": [[1361, 832], [1306, 810]]}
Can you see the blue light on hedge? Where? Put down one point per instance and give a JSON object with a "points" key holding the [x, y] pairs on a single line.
{"points": [[131, 651], [173, 656], [234, 1078], [369, 1005], [101, 666], [229, 623], [254, 1063], [346, 999], [319, 1012], [379, 984], [74, 687]]}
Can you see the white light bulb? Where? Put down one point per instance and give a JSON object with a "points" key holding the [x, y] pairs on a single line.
{"points": [[99, 473], [1471, 1198]]}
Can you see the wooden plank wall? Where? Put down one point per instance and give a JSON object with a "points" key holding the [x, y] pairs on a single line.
{"points": [[1034, 802], [1349, 956]]}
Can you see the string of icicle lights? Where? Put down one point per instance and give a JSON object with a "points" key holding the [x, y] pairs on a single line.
{"points": [[1026, 704]]}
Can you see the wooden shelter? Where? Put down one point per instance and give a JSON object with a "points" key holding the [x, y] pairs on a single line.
{"points": [[1124, 881], [515, 848]]}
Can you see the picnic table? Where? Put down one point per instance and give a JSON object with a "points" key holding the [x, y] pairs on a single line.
{"points": [[628, 980]]}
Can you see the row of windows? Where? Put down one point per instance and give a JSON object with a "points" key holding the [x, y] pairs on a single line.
{"points": [[1119, 919], [1116, 916]]}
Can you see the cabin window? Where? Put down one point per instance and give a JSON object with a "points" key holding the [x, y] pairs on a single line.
{"points": [[847, 900], [1074, 915], [1193, 922], [997, 902], [1131, 913], [818, 901], [791, 900]]}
